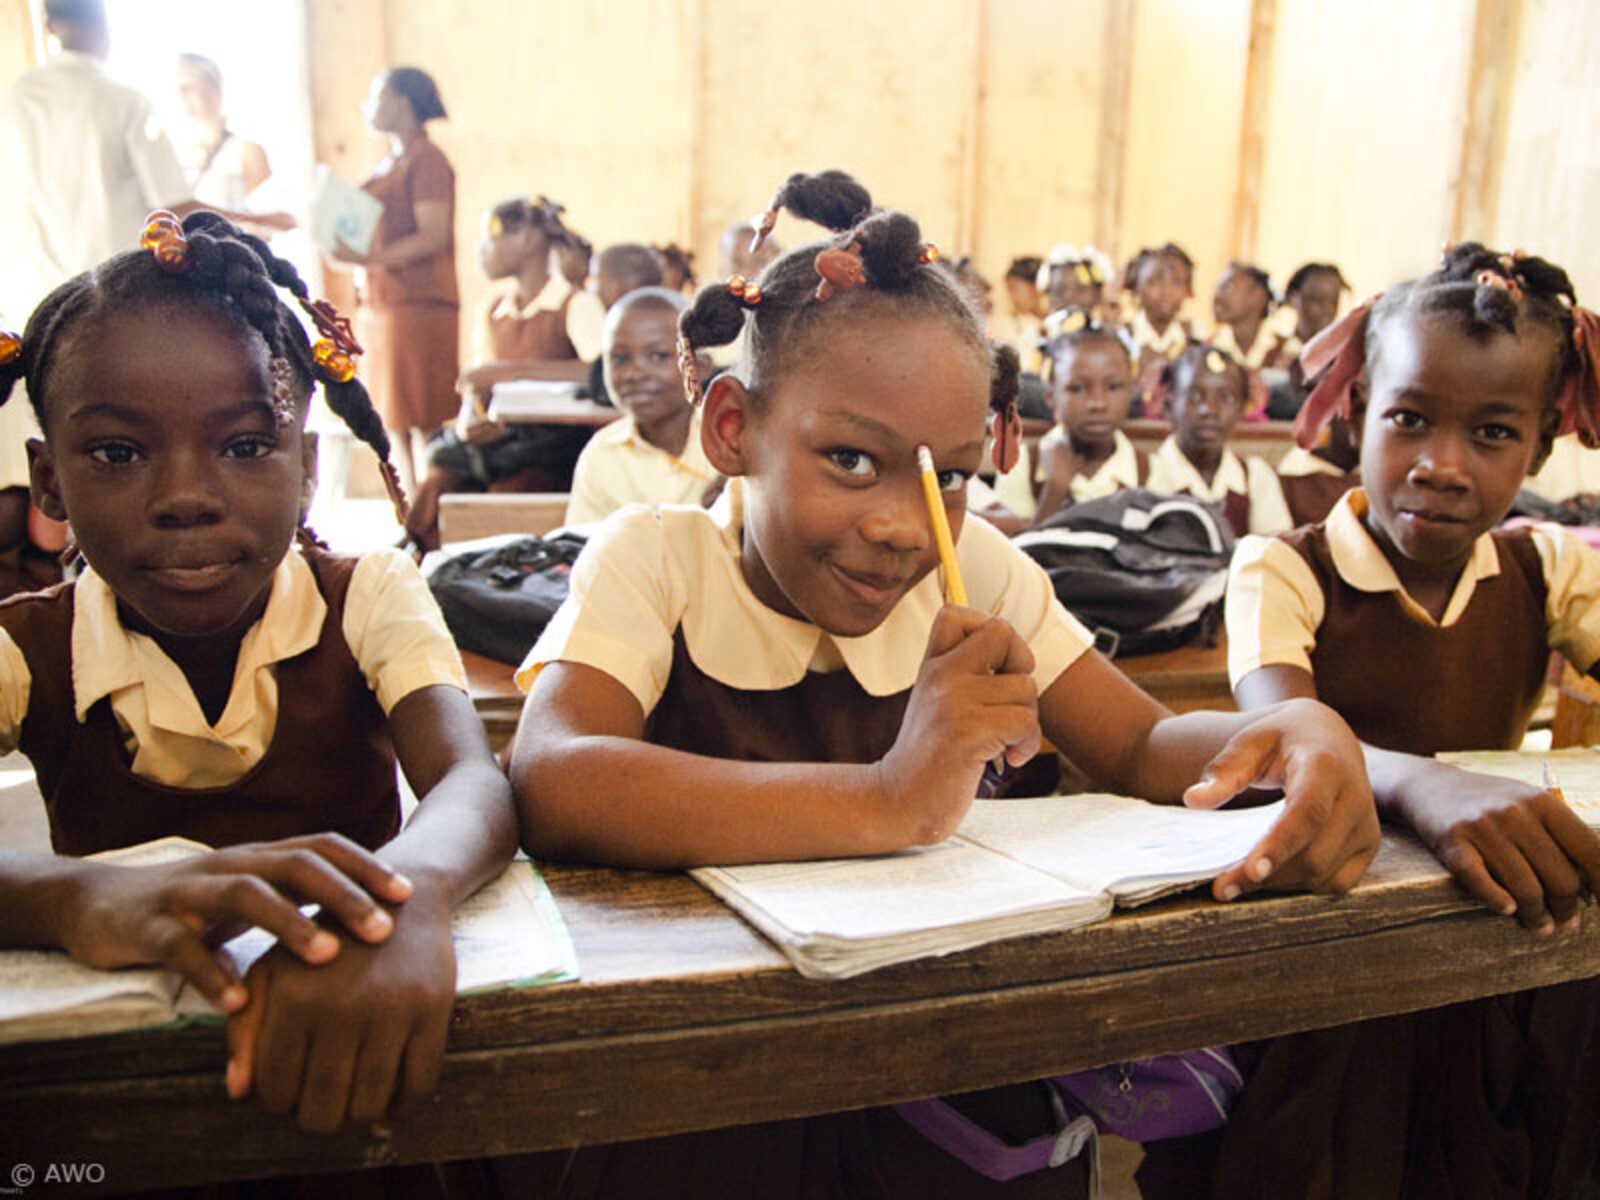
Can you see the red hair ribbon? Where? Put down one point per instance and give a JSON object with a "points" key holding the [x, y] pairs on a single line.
{"points": [[1006, 429], [1336, 355], [839, 268], [332, 326], [1579, 402]]}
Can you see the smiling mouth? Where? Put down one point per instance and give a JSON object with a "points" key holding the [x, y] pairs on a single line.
{"points": [[873, 590], [1430, 517], [193, 577]]}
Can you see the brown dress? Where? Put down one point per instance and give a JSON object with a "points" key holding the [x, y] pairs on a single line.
{"points": [[870, 1154], [1490, 1099], [408, 320]]}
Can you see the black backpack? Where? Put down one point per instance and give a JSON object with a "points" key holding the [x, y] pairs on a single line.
{"points": [[1145, 572], [497, 601]]}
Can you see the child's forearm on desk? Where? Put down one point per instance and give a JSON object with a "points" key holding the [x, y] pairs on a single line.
{"points": [[626, 802], [462, 833], [39, 897]]}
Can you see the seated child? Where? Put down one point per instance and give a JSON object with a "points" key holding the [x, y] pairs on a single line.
{"points": [[1313, 292], [1205, 393], [1158, 280], [677, 268], [537, 326], [1247, 327], [1313, 480], [1085, 455], [652, 455], [780, 678], [193, 678], [618, 270], [1024, 305], [1072, 278], [1429, 629]]}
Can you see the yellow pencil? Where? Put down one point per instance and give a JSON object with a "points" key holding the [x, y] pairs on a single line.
{"points": [[954, 590]]}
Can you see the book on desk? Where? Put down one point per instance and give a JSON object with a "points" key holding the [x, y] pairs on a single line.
{"points": [[1014, 867], [506, 934]]}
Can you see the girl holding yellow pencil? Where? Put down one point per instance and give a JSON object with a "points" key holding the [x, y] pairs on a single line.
{"points": [[781, 678]]}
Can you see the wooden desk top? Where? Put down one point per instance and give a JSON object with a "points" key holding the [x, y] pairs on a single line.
{"points": [[1190, 677], [685, 1019]]}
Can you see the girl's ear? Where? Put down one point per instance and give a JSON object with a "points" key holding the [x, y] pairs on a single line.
{"points": [[725, 421], [43, 481]]}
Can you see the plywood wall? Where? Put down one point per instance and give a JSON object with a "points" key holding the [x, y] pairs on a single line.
{"points": [[1360, 131]]}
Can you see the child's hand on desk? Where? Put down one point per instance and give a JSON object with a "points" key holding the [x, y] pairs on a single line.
{"points": [[974, 700], [1520, 850], [1328, 833], [344, 1041], [174, 913]]}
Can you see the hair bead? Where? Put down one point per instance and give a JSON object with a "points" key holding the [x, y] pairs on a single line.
{"points": [[10, 347], [335, 365]]}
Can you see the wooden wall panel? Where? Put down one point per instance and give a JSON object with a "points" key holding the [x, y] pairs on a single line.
{"points": [[1038, 169], [16, 38], [878, 89], [1181, 170], [1364, 136], [1550, 172]]}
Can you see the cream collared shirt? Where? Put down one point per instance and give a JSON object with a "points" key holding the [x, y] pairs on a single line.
{"points": [[1275, 604], [1121, 470], [391, 624], [618, 467], [1145, 337], [586, 316], [1171, 473], [647, 572]]}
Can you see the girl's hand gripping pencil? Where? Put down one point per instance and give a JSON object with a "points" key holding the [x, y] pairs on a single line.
{"points": [[955, 591]]}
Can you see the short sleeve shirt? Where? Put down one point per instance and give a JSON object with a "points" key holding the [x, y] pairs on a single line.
{"points": [[647, 573]]}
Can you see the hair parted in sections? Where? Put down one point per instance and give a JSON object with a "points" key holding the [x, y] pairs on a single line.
{"points": [[901, 274], [1485, 291], [1257, 276], [1197, 357], [542, 214], [1305, 271], [231, 274]]}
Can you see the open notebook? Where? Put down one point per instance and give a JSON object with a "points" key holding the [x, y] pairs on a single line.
{"points": [[507, 934], [1014, 867]]}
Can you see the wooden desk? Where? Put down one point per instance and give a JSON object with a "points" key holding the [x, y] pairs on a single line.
{"points": [[494, 694], [686, 1019], [1184, 679]]}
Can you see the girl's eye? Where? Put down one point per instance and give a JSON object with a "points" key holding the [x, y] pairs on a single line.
{"points": [[247, 448], [660, 356], [952, 481], [114, 454], [1498, 433], [1405, 418], [854, 462]]}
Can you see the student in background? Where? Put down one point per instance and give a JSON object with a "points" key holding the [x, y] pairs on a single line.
{"points": [[194, 677], [1313, 480], [1242, 304], [653, 455], [1313, 292], [1024, 305], [1205, 393], [1429, 629], [677, 268], [535, 325], [779, 678], [618, 270], [1071, 278], [1085, 455], [1159, 280]]}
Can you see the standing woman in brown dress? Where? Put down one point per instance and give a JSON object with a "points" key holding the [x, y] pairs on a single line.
{"points": [[409, 306]]}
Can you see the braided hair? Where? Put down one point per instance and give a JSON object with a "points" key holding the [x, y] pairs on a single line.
{"points": [[789, 316], [231, 272], [1258, 277], [1305, 271], [1136, 265], [1470, 288], [1197, 356]]}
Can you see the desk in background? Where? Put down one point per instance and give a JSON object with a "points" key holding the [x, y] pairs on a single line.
{"points": [[686, 1019]]}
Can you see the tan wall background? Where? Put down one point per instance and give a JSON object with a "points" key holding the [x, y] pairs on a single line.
{"points": [[1360, 131]]}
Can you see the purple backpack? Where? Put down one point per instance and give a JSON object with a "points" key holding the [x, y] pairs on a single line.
{"points": [[1172, 1095]]}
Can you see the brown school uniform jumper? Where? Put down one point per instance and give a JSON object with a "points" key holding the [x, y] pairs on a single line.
{"points": [[1483, 1100], [868, 1154], [330, 766]]}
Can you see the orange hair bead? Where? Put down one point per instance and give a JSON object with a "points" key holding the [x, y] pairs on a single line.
{"points": [[10, 347], [172, 253], [158, 225], [333, 362], [930, 253]]}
